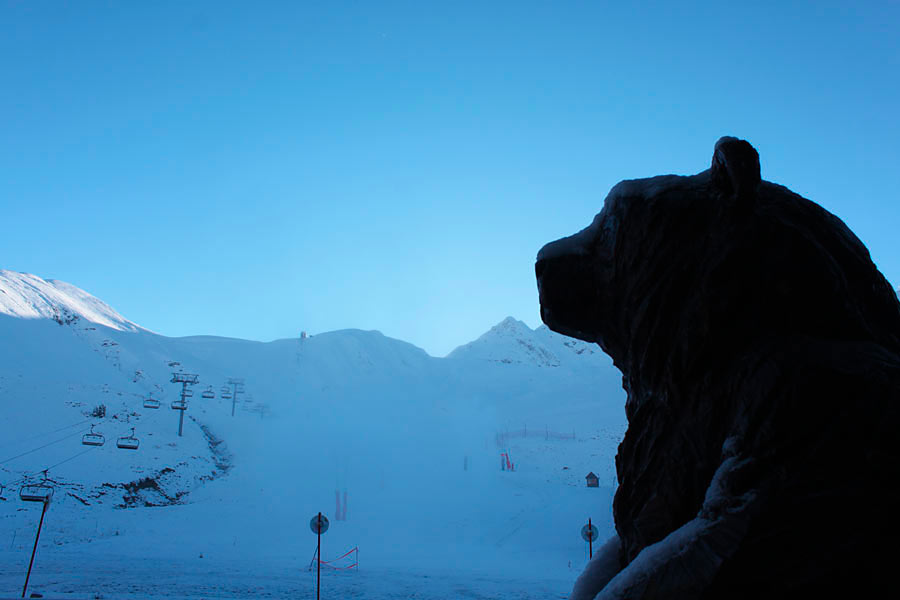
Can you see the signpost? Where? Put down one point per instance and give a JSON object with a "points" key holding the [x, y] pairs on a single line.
{"points": [[318, 525], [589, 533]]}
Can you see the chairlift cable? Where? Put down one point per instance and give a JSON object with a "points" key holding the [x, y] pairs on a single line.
{"points": [[37, 435], [26, 477], [79, 432], [70, 458]]}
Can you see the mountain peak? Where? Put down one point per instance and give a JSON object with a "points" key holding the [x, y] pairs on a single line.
{"points": [[510, 325], [28, 296], [509, 341]]}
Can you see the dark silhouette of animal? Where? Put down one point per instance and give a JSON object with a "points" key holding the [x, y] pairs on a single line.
{"points": [[760, 352]]}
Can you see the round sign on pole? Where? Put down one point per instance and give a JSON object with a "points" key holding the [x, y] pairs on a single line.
{"points": [[317, 525], [589, 535]]}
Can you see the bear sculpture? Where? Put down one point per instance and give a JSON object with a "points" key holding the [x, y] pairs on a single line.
{"points": [[760, 353]]}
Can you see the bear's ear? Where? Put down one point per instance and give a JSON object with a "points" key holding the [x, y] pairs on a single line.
{"points": [[735, 169]]}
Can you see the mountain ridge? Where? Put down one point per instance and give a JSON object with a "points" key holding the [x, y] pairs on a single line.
{"points": [[511, 341], [29, 296]]}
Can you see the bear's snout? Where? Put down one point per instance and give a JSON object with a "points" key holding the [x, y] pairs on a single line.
{"points": [[567, 289]]}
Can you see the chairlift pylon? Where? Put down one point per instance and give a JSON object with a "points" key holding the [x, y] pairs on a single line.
{"points": [[128, 442], [93, 439], [151, 402]]}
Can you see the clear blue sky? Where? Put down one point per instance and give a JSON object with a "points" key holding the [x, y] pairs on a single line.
{"points": [[254, 169]]}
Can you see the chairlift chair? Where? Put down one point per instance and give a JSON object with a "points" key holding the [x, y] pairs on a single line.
{"points": [[179, 405], [227, 396], [93, 439], [128, 442], [36, 492], [188, 393], [151, 402], [209, 393]]}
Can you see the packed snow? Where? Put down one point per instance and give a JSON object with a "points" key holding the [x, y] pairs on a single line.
{"points": [[407, 445]]}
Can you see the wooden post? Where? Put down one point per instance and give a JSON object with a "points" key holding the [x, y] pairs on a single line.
{"points": [[34, 550]]}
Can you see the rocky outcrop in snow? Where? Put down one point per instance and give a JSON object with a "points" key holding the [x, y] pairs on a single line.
{"points": [[760, 348]]}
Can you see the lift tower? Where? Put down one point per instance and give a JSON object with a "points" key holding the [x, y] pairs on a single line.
{"points": [[185, 379], [238, 384]]}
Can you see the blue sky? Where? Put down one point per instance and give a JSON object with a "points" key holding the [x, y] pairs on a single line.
{"points": [[257, 169]]}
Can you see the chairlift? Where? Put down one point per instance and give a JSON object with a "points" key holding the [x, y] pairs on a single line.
{"points": [[209, 393], [188, 393], [151, 402], [128, 442], [36, 492], [179, 405], [227, 395], [93, 439]]}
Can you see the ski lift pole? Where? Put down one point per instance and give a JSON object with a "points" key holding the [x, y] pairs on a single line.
{"points": [[237, 385], [34, 550], [181, 413]]}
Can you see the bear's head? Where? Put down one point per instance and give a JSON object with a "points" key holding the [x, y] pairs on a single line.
{"points": [[680, 271]]}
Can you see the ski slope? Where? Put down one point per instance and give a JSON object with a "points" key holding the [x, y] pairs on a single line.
{"points": [[414, 441]]}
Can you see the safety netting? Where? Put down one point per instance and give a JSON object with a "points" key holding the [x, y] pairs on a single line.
{"points": [[346, 561]]}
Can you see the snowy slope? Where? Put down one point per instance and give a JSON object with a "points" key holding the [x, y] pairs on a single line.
{"points": [[29, 296], [508, 342], [513, 342], [414, 440]]}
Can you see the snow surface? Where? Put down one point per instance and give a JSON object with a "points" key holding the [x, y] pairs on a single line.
{"points": [[224, 511], [29, 296]]}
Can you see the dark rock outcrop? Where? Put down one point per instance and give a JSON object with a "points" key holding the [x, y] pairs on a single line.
{"points": [[760, 350]]}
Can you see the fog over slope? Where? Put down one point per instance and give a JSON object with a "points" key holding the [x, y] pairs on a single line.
{"points": [[413, 440]]}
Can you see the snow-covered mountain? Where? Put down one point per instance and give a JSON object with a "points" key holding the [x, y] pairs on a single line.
{"points": [[31, 297], [513, 342], [415, 439]]}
